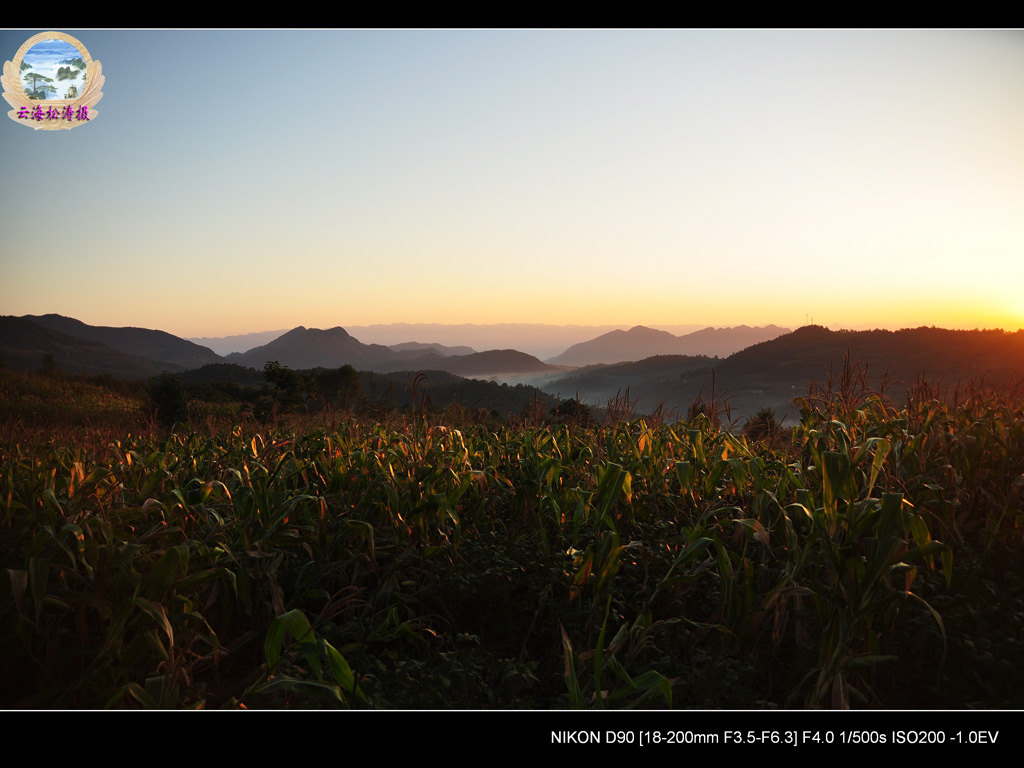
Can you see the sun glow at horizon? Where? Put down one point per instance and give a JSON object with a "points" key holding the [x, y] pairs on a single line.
{"points": [[862, 178]]}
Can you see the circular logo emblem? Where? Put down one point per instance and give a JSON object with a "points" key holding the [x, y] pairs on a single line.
{"points": [[53, 83]]}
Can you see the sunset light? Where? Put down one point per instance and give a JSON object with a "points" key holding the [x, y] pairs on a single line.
{"points": [[867, 178]]}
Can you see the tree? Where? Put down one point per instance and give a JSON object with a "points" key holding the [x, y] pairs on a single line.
{"points": [[289, 386], [39, 85], [572, 412], [349, 387], [167, 399], [763, 426]]}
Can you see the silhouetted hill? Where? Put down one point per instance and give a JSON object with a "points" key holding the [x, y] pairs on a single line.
{"points": [[24, 343], [315, 348], [722, 342], [773, 373], [640, 342], [637, 343], [496, 361], [480, 364], [906, 354], [415, 348], [141, 342]]}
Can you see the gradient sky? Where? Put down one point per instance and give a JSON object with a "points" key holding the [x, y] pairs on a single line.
{"points": [[239, 181]]}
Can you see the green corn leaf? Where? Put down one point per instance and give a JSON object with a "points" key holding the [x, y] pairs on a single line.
{"points": [[172, 564], [158, 614], [569, 672], [342, 672], [294, 623]]}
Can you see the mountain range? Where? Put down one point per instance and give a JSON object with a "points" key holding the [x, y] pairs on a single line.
{"points": [[767, 373], [139, 352]]}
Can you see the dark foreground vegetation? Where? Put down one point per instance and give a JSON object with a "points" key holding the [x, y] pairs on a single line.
{"points": [[452, 557]]}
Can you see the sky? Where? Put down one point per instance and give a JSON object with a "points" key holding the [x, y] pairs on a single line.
{"points": [[241, 181]]}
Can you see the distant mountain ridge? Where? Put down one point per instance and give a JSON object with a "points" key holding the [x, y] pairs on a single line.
{"points": [[539, 339], [641, 342], [243, 342], [421, 347]]}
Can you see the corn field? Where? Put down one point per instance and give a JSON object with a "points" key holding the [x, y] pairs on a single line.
{"points": [[870, 558]]}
